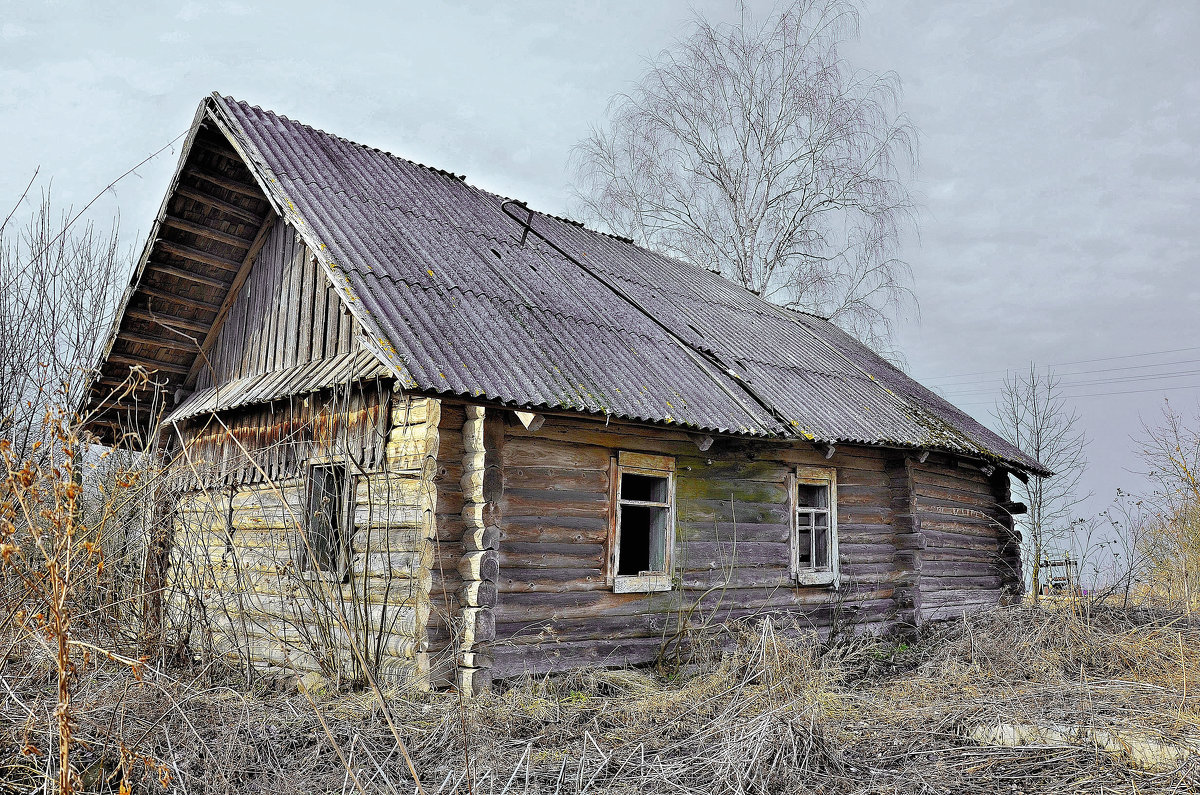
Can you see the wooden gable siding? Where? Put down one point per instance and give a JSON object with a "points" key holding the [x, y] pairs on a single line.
{"points": [[272, 441], [286, 314]]}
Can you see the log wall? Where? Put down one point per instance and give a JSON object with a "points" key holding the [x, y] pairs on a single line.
{"points": [[479, 550], [969, 557], [554, 610], [234, 568]]}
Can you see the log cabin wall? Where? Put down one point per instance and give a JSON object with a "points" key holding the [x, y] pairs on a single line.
{"points": [[554, 609], [286, 314], [235, 574], [970, 554]]}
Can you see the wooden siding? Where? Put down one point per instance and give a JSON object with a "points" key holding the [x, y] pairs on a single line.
{"points": [[275, 441], [235, 553], [554, 610], [286, 314], [969, 558]]}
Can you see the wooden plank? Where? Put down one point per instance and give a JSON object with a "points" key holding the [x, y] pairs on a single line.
{"points": [[231, 297], [165, 295], [291, 304], [304, 343], [183, 273], [174, 343], [165, 320], [201, 230], [241, 213], [149, 364], [196, 255], [240, 188]]}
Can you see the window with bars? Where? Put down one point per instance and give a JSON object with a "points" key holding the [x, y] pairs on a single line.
{"points": [[642, 535], [814, 527]]}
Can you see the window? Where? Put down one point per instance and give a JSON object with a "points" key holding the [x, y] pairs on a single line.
{"points": [[814, 527], [323, 549], [643, 528]]}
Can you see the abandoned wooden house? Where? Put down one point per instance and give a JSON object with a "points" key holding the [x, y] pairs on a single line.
{"points": [[419, 428]]}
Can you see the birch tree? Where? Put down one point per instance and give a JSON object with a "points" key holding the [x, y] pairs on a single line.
{"points": [[1033, 415], [755, 150]]}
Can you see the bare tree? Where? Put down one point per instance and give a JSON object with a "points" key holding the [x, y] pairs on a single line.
{"points": [[57, 296], [754, 150], [1171, 451], [1033, 415]]}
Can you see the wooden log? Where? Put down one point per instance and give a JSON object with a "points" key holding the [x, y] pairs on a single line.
{"points": [[483, 565]]}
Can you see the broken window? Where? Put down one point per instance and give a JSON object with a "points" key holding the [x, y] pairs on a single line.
{"points": [[814, 534], [323, 549], [643, 523]]}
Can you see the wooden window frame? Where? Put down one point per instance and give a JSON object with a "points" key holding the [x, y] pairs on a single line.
{"points": [[337, 573], [827, 575], [659, 466]]}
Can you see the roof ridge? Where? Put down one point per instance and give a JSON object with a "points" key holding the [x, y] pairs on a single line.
{"points": [[444, 172]]}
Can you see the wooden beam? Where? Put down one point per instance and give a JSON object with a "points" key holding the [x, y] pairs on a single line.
{"points": [[166, 295], [228, 184], [241, 213], [196, 255], [216, 149], [192, 276], [149, 364], [176, 343], [167, 321], [239, 279], [185, 225], [130, 407]]}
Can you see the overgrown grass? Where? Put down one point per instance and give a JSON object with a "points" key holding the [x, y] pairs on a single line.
{"points": [[761, 707]]}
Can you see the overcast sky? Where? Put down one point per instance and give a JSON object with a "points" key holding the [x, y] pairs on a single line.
{"points": [[1059, 171]]}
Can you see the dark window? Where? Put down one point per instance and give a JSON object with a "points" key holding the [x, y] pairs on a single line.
{"points": [[324, 546]]}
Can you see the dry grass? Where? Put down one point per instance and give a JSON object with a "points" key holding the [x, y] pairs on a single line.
{"points": [[761, 708]]}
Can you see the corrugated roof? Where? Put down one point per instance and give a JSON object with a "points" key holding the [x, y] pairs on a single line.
{"points": [[574, 319]]}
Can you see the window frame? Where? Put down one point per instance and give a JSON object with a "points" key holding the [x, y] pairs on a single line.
{"points": [[650, 465], [811, 575], [340, 568]]}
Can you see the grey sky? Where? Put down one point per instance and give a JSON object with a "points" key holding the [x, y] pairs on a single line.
{"points": [[1059, 170]]}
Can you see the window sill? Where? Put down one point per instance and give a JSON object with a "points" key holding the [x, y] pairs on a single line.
{"points": [[641, 583], [826, 578]]}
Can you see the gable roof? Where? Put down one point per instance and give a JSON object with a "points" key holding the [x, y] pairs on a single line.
{"points": [[465, 293]]}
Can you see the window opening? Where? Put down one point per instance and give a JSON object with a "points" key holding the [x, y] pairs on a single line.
{"points": [[326, 521], [644, 523]]}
